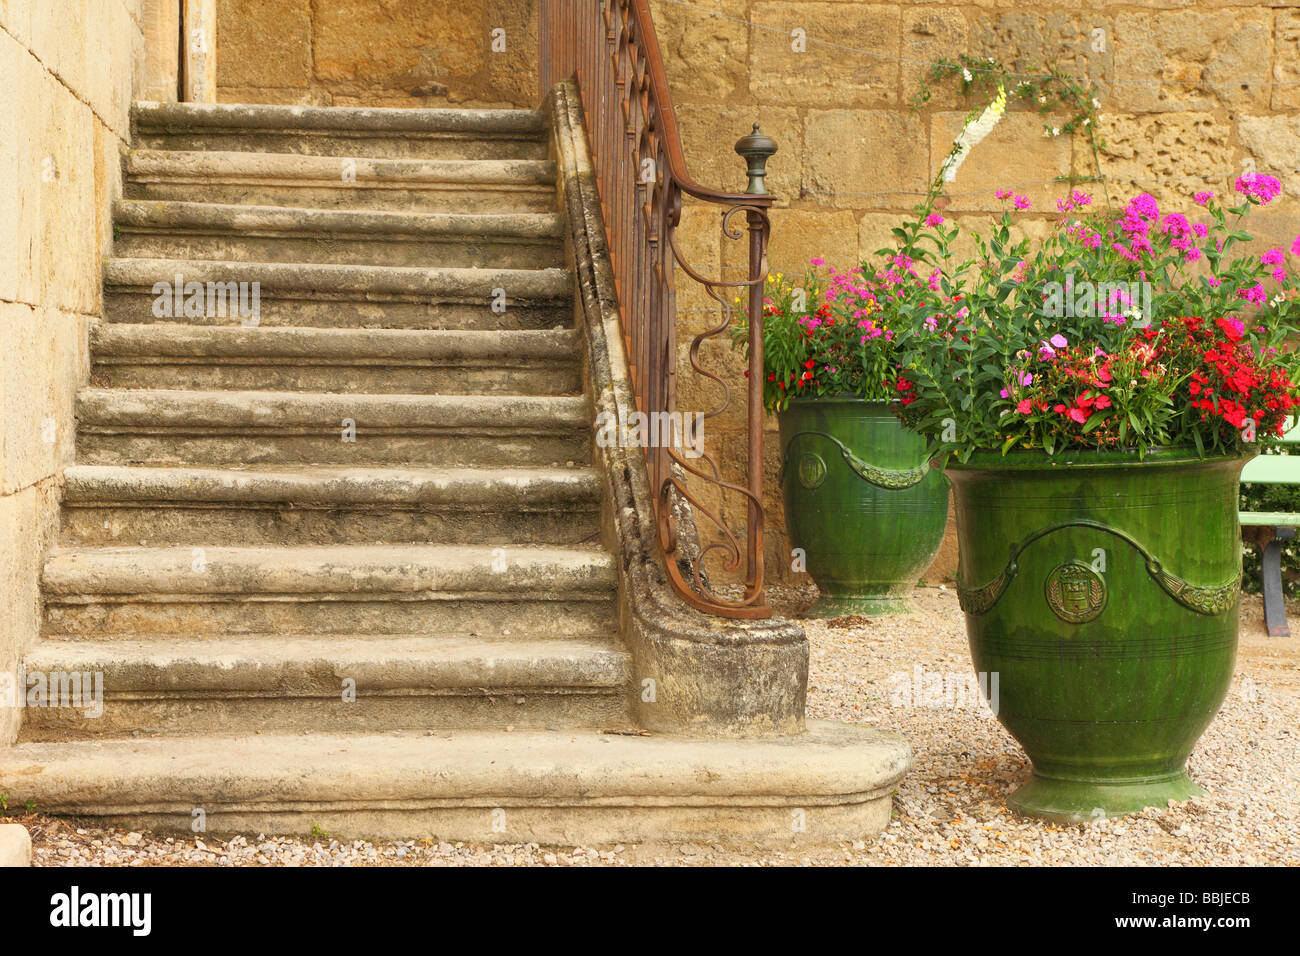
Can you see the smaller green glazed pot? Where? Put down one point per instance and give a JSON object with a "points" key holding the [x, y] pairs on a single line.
{"points": [[1101, 589], [861, 502]]}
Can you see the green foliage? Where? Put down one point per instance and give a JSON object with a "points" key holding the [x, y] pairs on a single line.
{"points": [[1011, 367]]}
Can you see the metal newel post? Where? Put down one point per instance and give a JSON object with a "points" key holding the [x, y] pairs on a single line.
{"points": [[756, 149]]}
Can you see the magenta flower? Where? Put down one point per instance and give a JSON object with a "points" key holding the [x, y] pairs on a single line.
{"points": [[1274, 257], [1021, 202], [1258, 187], [1203, 198], [1144, 206], [933, 219], [1255, 294], [1295, 247], [818, 262]]}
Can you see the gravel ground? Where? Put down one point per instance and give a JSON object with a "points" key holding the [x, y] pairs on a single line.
{"points": [[950, 810]]}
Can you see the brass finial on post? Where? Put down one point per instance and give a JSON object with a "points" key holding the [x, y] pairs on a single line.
{"points": [[756, 149]]}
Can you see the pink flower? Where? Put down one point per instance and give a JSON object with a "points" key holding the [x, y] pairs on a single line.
{"points": [[1079, 415], [818, 262], [1295, 247], [1258, 187], [1279, 274], [1025, 406], [1274, 257], [1144, 205], [1059, 340], [1254, 294], [1203, 198], [933, 219], [1021, 202], [1192, 255]]}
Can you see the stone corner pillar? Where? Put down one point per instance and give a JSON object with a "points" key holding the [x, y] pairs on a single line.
{"points": [[162, 31], [200, 67]]}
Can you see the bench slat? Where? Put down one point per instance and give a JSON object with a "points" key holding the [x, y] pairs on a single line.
{"points": [[1272, 470], [1276, 519]]}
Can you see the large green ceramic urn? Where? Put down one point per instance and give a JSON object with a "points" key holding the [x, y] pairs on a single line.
{"points": [[1102, 592], [865, 511]]}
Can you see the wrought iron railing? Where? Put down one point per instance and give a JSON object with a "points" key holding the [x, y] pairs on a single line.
{"points": [[610, 48]]}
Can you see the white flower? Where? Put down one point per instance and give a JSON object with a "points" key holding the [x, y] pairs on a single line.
{"points": [[1042, 99], [973, 132], [1056, 131], [1087, 120], [1095, 104], [966, 75]]}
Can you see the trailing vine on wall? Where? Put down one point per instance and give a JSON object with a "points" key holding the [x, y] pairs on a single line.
{"points": [[1048, 90]]}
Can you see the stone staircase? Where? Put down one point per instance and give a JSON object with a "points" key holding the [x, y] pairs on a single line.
{"points": [[341, 562]]}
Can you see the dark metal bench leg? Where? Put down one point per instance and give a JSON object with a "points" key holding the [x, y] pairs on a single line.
{"points": [[1271, 571]]}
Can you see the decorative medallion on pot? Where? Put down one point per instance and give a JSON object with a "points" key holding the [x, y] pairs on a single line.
{"points": [[1075, 592]]}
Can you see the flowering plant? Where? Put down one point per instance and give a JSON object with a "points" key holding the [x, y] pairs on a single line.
{"points": [[1131, 330], [833, 333]]}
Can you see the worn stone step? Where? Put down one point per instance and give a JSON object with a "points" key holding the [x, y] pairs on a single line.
{"points": [[110, 504], [178, 427], [140, 291], [342, 131], [287, 684], [413, 361], [551, 787], [282, 179], [156, 229], [458, 590]]}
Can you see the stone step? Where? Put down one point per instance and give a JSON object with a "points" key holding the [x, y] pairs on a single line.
{"points": [[282, 179], [141, 291], [123, 505], [155, 229], [342, 131], [182, 426], [550, 787], [288, 684], [413, 361], [458, 590]]}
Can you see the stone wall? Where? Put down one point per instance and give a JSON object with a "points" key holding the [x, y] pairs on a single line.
{"points": [[377, 52], [69, 68], [1192, 94]]}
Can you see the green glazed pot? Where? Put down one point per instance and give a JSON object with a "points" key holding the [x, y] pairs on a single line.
{"points": [[1102, 592], [861, 501]]}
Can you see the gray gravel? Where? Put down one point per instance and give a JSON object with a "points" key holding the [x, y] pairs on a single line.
{"points": [[950, 810]]}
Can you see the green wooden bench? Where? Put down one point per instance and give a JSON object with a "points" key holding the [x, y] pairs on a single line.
{"points": [[1270, 530]]}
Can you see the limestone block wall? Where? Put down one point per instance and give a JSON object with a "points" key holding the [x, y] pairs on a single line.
{"points": [[69, 69], [377, 52]]}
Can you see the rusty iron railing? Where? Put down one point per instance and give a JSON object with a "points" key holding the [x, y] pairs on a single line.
{"points": [[609, 47]]}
